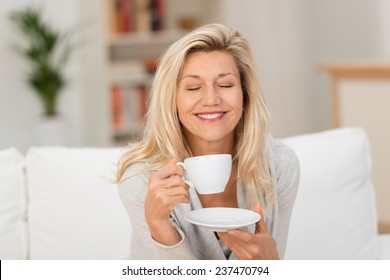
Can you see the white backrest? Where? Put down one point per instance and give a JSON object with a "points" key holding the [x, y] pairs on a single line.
{"points": [[74, 211], [13, 235], [334, 216]]}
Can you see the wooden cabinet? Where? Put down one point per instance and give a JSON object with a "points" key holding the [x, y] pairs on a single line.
{"points": [[361, 97]]}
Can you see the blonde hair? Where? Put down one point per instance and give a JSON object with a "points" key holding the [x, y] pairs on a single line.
{"points": [[163, 138]]}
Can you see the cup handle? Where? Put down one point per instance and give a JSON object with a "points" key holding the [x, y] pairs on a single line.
{"points": [[184, 179]]}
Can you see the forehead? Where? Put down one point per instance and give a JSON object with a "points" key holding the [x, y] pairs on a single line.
{"points": [[206, 63]]}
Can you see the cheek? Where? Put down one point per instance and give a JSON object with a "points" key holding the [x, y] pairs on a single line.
{"points": [[239, 108], [238, 102], [182, 107]]}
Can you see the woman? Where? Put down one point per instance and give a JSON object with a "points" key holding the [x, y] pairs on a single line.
{"points": [[205, 99]]}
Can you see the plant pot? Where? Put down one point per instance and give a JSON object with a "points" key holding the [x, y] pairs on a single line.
{"points": [[51, 131]]}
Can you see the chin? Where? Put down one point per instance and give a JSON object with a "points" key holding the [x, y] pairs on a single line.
{"points": [[214, 137]]}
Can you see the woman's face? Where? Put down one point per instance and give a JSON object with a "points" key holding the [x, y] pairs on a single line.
{"points": [[209, 98]]}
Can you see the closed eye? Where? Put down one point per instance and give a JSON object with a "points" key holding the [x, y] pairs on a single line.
{"points": [[193, 88], [226, 86]]}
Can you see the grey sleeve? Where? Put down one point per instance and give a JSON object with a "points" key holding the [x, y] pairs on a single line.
{"points": [[287, 172], [132, 193]]}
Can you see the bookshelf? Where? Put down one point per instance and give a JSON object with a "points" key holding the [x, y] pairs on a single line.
{"points": [[137, 32]]}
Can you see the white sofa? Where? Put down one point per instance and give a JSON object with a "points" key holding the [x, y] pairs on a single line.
{"points": [[59, 203]]}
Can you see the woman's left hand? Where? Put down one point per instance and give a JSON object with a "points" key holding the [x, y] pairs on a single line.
{"points": [[247, 246]]}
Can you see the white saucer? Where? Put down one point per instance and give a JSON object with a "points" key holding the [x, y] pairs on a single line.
{"points": [[222, 219]]}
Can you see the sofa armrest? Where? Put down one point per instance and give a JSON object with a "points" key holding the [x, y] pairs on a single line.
{"points": [[384, 246], [335, 192]]}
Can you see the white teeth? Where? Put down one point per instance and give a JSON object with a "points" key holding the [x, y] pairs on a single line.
{"points": [[209, 116]]}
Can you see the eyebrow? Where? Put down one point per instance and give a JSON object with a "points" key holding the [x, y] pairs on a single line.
{"points": [[198, 77]]}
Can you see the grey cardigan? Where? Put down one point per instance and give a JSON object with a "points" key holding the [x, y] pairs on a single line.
{"points": [[198, 242]]}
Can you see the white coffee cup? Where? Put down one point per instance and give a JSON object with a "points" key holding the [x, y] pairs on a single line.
{"points": [[207, 174]]}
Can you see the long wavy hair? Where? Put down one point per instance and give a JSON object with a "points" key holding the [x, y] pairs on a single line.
{"points": [[163, 137]]}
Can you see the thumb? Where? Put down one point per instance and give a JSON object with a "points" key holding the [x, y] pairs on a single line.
{"points": [[260, 225], [179, 169], [175, 160]]}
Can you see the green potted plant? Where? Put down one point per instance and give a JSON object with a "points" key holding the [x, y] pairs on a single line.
{"points": [[47, 51]]}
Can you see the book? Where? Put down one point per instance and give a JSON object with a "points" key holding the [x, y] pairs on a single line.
{"points": [[129, 107], [144, 24], [111, 7], [116, 105], [125, 16], [142, 16], [157, 12]]}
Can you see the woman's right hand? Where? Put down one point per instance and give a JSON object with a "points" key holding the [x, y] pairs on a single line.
{"points": [[166, 189]]}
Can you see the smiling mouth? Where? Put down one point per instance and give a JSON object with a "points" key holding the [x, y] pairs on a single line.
{"points": [[209, 116]]}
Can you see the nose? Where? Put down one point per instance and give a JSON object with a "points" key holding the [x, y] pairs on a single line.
{"points": [[210, 96]]}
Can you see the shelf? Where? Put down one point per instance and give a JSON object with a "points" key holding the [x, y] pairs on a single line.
{"points": [[123, 136], [129, 74], [378, 70], [144, 39], [134, 128], [140, 46]]}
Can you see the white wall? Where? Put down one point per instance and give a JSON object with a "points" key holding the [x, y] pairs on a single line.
{"points": [[348, 31], [19, 107], [278, 36], [384, 22], [97, 115], [291, 38]]}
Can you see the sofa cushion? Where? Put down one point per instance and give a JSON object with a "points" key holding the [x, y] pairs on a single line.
{"points": [[13, 235], [334, 216], [74, 210]]}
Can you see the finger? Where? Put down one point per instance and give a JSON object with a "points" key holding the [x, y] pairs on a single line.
{"points": [[178, 170], [237, 246], [173, 181], [169, 170], [169, 187], [222, 235], [169, 198], [179, 190], [235, 238], [178, 198], [261, 227], [228, 240], [244, 236]]}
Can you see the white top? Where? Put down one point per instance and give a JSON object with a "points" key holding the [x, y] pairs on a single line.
{"points": [[198, 242]]}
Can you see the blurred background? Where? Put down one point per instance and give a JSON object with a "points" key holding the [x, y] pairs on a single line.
{"points": [[118, 41]]}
